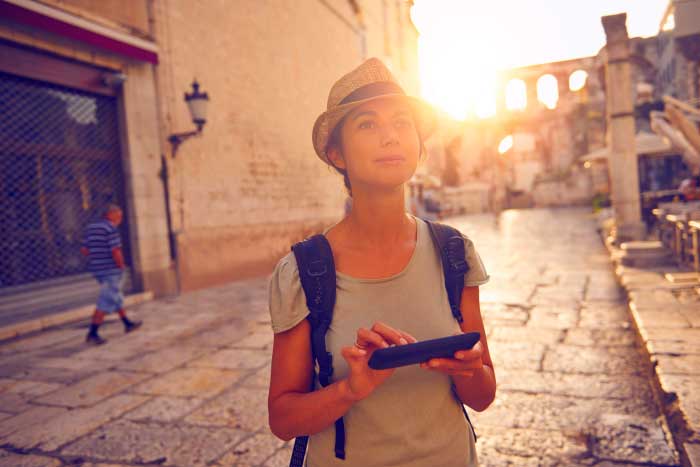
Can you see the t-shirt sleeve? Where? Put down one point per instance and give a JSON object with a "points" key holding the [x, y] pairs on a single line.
{"points": [[477, 274], [287, 301], [113, 239]]}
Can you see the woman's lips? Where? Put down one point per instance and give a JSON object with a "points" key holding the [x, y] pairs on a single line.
{"points": [[390, 159]]}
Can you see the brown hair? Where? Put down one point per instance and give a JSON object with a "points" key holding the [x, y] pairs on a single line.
{"points": [[336, 140]]}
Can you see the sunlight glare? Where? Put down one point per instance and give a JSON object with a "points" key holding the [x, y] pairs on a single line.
{"points": [[505, 144], [466, 91], [548, 91], [670, 23], [516, 95]]}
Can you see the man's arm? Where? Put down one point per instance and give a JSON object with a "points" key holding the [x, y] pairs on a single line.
{"points": [[118, 257]]}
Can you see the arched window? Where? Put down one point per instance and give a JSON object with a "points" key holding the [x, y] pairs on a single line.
{"points": [[577, 80], [548, 91], [516, 95]]}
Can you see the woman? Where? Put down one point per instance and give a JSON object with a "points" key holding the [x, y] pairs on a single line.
{"points": [[390, 291]]}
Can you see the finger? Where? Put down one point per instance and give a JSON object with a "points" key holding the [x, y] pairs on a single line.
{"points": [[451, 372], [409, 338], [353, 353], [389, 334], [452, 364], [474, 353], [365, 338]]}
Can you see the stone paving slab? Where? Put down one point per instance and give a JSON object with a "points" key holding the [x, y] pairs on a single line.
{"points": [[255, 450], [518, 446], [92, 390], [28, 388], [32, 417], [14, 403], [553, 318], [614, 386], [551, 412], [600, 337], [131, 442], [527, 334], [189, 382], [684, 389], [72, 364], [692, 450], [515, 355], [11, 459], [651, 318], [233, 359], [259, 379], [164, 409], [631, 439], [163, 360], [72, 424], [678, 364], [241, 408], [27, 372], [607, 360]]}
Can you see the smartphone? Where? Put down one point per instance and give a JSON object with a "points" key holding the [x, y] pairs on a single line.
{"points": [[419, 352]]}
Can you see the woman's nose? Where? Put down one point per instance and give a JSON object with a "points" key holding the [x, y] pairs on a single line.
{"points": [[388, 134]]}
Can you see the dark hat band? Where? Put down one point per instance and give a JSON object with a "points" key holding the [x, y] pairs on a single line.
{"points": [[372, 90]]}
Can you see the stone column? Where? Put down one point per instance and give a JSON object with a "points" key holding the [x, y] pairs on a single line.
{"points": [[622, 163]]}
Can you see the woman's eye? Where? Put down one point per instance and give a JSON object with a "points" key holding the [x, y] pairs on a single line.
{"points": [[367, 124], [402, 123]]}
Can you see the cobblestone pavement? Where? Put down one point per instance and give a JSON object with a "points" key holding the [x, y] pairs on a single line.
{"points": [[190, 387]]}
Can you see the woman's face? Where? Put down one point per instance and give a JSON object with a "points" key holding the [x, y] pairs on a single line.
{"points": [[380, 145]]}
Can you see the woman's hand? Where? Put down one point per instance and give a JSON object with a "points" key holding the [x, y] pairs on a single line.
{"points": [[464, 363], [363, 380]]}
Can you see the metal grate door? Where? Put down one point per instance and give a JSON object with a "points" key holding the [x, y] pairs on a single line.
{"points": [[60, 166]]}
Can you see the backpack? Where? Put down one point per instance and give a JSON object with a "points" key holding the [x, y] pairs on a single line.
{"points": [[317, 275]]}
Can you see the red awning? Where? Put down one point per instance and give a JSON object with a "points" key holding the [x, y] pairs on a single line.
{"points": [[63, 24]]}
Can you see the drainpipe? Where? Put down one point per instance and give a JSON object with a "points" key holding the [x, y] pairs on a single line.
{"points": [[172, 236]]}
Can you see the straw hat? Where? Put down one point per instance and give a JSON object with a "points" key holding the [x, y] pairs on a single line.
{"points": [[369, 81]]}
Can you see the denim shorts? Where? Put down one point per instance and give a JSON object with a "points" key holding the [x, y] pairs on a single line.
{"points": [[111, 298]]}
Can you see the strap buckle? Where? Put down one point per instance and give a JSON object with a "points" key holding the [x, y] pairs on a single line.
{"points": [[455, 254], [316, 268]]}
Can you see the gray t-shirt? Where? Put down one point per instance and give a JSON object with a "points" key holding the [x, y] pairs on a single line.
{"points": [[413, 419]]}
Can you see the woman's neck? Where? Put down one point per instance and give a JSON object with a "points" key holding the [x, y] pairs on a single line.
{"points": [[379, 219]]}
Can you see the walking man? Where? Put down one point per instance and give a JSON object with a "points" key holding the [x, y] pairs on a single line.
{"points": [[103, 247]]}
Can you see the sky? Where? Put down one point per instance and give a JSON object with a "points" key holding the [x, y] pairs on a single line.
{"points": [[463, 43]]}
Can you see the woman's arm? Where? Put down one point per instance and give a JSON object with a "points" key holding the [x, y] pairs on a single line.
{"points": [[477, 391], [295, 411]]}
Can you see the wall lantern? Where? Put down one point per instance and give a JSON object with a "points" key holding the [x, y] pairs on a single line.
{"points": [[197, 103]]}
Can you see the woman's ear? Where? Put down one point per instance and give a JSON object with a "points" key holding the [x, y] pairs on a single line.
{"points": [[336, 157]]}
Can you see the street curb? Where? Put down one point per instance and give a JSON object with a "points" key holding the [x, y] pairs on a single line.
{"points": [[687, 447], [76, 314]]}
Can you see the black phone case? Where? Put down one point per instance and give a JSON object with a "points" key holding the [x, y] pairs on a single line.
{"points": [[410, 354]]}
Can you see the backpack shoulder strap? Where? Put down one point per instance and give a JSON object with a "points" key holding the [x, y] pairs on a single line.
{"points": [[450, 244], [317, 275]]}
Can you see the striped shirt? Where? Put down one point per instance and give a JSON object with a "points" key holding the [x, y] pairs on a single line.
{"points": [[100, 239]]}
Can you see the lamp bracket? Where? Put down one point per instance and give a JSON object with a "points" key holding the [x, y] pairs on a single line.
{"points": [[176, 139]]}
